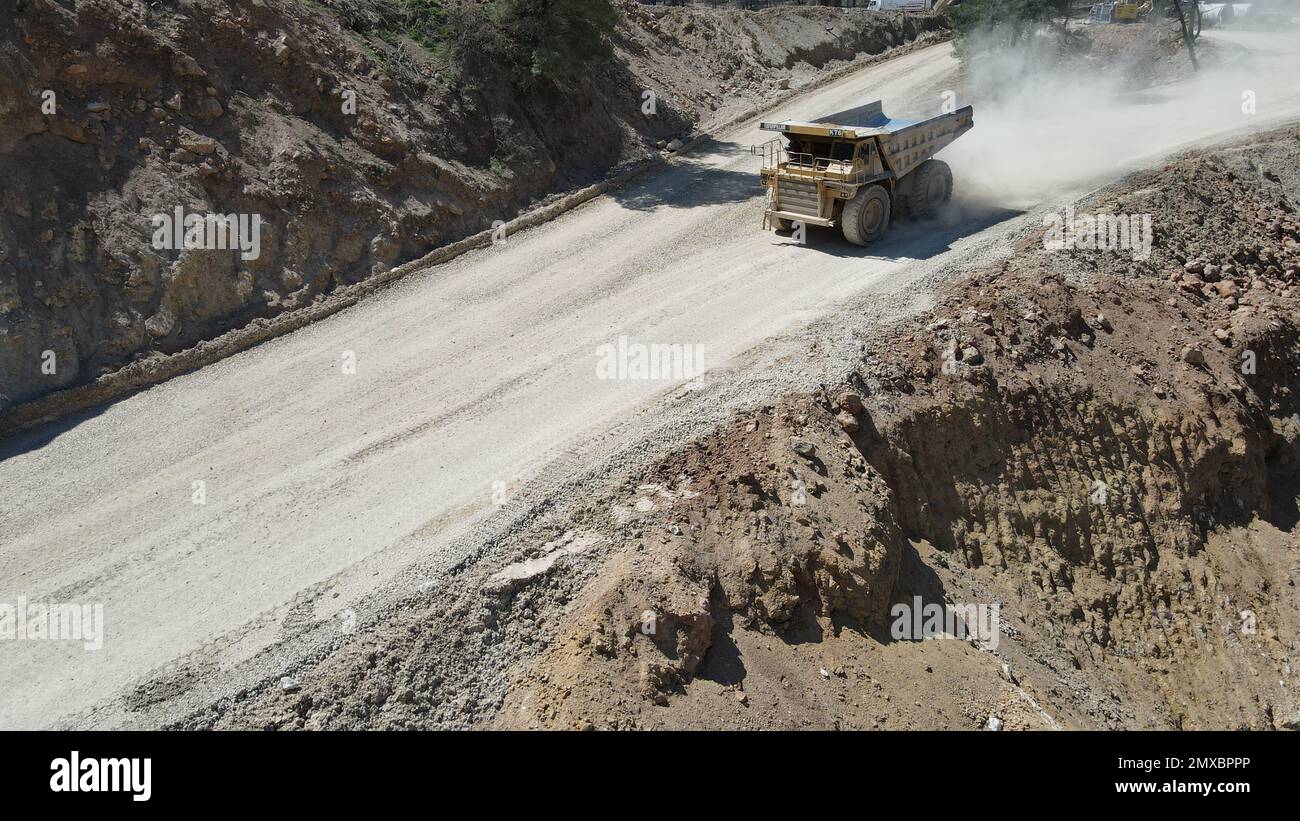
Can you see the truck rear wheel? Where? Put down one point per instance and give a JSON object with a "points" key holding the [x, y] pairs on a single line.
{"points": [[931, 189], [866, 216]]}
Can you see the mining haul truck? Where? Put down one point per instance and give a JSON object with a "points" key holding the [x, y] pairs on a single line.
{"points": [[857, 169]]}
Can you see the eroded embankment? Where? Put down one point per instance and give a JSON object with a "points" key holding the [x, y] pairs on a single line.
{"points": [[1070, 436], [1104, 448]]}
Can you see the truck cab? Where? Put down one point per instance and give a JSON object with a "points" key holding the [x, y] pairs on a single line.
{"points": [[815, 173]]}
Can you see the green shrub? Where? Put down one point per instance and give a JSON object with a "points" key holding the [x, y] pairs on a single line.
{"points": [[477, 45], [996, 23], [426, 22], [560, 38]]}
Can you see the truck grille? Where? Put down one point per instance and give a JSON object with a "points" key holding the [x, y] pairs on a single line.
{"points": [[798, 197]]}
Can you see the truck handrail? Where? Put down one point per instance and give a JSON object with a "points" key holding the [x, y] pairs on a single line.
{"points": [[775, 155]]}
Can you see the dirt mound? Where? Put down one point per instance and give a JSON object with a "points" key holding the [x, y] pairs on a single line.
{"points": [[1104, 449], [1069, 440], [1151, 53], [355, 154]]}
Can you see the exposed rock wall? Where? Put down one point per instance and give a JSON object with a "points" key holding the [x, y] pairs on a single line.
{"points": [[354, 155]]}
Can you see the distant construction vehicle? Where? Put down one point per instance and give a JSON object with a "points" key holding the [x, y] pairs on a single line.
{"points": [[901, 5], [1122, 11], [857, 169]]}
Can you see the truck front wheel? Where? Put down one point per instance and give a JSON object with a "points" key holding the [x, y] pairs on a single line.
{"points": [[931, 189], [866, 216]]}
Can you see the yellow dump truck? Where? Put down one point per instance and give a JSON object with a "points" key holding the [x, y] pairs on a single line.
{"points": [[857, 169]]}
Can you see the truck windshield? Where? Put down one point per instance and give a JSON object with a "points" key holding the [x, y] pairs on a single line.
{"points": [[841, 151], [805, 152]]}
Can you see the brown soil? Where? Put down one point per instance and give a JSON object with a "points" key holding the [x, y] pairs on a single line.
{"points": [[1093, 459], [1150, 53], [748, 581]]}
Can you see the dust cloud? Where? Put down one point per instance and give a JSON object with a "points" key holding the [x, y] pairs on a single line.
{"points": [[1044, 131]]}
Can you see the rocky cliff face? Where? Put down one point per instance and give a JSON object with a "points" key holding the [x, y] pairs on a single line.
{"points": [[176, 170]]}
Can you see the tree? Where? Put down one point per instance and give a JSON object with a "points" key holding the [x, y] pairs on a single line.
{"points": [[1187, 35], [561, 39], [994, 23]]}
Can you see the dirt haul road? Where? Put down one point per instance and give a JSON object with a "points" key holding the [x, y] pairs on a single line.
{"points": [[319, 476]]}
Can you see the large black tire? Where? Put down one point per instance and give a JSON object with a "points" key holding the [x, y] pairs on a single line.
{"points": [[930, 190], [866, 216]]}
